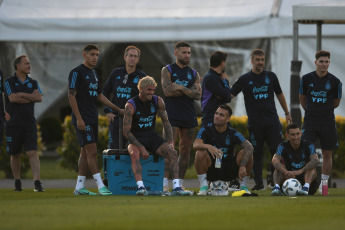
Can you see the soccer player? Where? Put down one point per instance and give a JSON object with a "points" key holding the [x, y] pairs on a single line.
{"points": [[83, 94], [139, 129], [295, 158], [215, 87], [181, 87], [22, 93], [218, 141], [122, 84], [258, 87], [320, 93]]}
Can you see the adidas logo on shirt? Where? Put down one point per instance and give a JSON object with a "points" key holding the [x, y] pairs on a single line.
{"points": [[175, 75], [87, 77], [311, 85], [250, 83]]}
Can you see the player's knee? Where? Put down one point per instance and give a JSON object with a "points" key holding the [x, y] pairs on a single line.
{"points": [[135, 155], [31, 153]]}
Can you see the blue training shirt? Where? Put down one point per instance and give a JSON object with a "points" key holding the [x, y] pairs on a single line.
{"points": [[181, 109], [320, 93], [21, 114], [123, 86], [258, 91], [295, 159], [215, 92], [86, 82], [225, 141]]}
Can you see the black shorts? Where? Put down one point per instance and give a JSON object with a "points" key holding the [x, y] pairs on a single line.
{"points": [[184, 124], [227, 172], [313, 186], [151, 142], [87, 136], [328, 136], [17, 136]]}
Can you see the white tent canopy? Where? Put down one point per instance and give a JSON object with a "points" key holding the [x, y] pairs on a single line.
{"points": [[65, 25]]}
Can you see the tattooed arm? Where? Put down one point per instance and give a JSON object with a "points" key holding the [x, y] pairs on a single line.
{"points": [[170, 89], [247, 152], [247, 155], [193, 92], [127, 125], [74, 106], [276, 162], [166, 124], [200, 145]]}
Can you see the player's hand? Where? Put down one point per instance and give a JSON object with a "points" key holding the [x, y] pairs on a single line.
{"points": [[289, 119], [242, 172], [80, 124], [224, 76], [216, 153], [144, 153], [111, 117], [7, 116]]}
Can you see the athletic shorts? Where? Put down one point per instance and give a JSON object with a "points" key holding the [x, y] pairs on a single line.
{"points": [[328, 136], [87, 136], [313, 186], [227, 172], [17, 136], [184, 124], [151, 142]]}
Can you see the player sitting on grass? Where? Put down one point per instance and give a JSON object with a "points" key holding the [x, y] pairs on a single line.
{"points": [[219, 141], [295, 158]]}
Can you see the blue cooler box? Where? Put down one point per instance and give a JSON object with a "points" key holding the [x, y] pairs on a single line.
{"points": [[118, 171]]}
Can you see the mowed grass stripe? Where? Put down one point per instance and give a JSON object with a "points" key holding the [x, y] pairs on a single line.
{"points": [[59, 209]]}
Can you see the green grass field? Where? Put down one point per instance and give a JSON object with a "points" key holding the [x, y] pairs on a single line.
{"points": [[59, 209]]}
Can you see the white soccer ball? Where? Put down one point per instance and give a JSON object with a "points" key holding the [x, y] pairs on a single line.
{"points": [[291, 187]]}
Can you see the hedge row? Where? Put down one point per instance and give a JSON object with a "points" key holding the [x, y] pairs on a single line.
{"points": [[70, 149]]}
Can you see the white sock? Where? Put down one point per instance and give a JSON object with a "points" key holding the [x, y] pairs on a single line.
{"points": [[165, 181], [244, 181], [181, 182], [203, 180], [80, 182], [98, 179], [324, 177], [306, 185], [277, 185], [140, 183], [176, 183]]}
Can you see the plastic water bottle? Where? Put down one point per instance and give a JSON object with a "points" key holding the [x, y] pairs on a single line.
{"points": [[324, 187], [218, 163]]}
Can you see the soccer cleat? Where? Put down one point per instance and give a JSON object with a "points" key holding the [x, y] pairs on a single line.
{"points": [[166, 188], [304, 191], [276, 192], [258, 187], [245, 189], [178, 191], [203, 191], [234, 186], [38, 186], [104, 191], [83, 191], [18, 186], [142, 192]]}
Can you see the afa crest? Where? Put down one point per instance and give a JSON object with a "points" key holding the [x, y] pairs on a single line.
{"points": [[29, 85]]}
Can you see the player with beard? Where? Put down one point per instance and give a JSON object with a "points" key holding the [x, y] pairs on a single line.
{"points": [[139, 124], [181, 87]]}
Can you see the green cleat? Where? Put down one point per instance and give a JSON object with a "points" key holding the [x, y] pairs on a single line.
{"points": [[203, 191], [104, 191], [83, 191], [245, 189]]}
